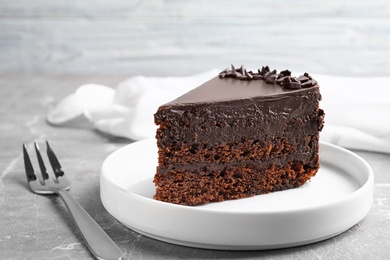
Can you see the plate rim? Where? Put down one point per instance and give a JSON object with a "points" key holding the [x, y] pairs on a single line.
{"points": [[367, 187]]}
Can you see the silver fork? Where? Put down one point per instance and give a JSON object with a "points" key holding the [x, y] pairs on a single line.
{"points": [[100, 244]]}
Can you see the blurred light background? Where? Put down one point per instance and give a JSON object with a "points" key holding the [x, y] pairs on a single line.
{"points": [[173, 37]]}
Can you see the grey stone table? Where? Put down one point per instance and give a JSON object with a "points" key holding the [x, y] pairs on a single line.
{"points": [[39, 227]]}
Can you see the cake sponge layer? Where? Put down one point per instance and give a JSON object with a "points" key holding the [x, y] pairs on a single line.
{"points": [[203, 185]]}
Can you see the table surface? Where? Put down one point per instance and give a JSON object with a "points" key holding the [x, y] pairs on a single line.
{"points": [[34, 226]]}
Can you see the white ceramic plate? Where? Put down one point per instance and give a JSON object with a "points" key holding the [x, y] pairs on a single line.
{"points": [[339, 196]]}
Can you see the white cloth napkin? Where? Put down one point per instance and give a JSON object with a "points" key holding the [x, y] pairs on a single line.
{"points": [[357, 110]]}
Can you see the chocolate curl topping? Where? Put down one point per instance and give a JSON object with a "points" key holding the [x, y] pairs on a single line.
{"points": [[264, 70], [284, 78], [285, 73], [248, 74], [240, 73]]}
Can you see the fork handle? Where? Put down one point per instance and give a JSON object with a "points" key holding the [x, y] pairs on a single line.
{"points": [[100, 244]]}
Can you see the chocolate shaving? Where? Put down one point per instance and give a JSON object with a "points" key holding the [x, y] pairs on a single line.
{"points": [[307, 84], [303, 79], [238, 74], [271, 79], [241, 70], [264, 70], [257, 76], [294, 84], [284, 73], [284, 78], [269, 73], [279, 80], [290, 83], [248, 74]]}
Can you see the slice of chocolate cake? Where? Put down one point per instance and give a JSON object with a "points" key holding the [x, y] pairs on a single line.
{"points": [[240, 134]]}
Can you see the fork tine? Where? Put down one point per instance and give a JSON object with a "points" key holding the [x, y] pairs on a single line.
{"points": [[28, 165], [44, 173], [55, 164]]}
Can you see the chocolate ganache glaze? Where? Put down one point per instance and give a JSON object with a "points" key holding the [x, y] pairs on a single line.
{"points": [[243, 106], [240, 84]]}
